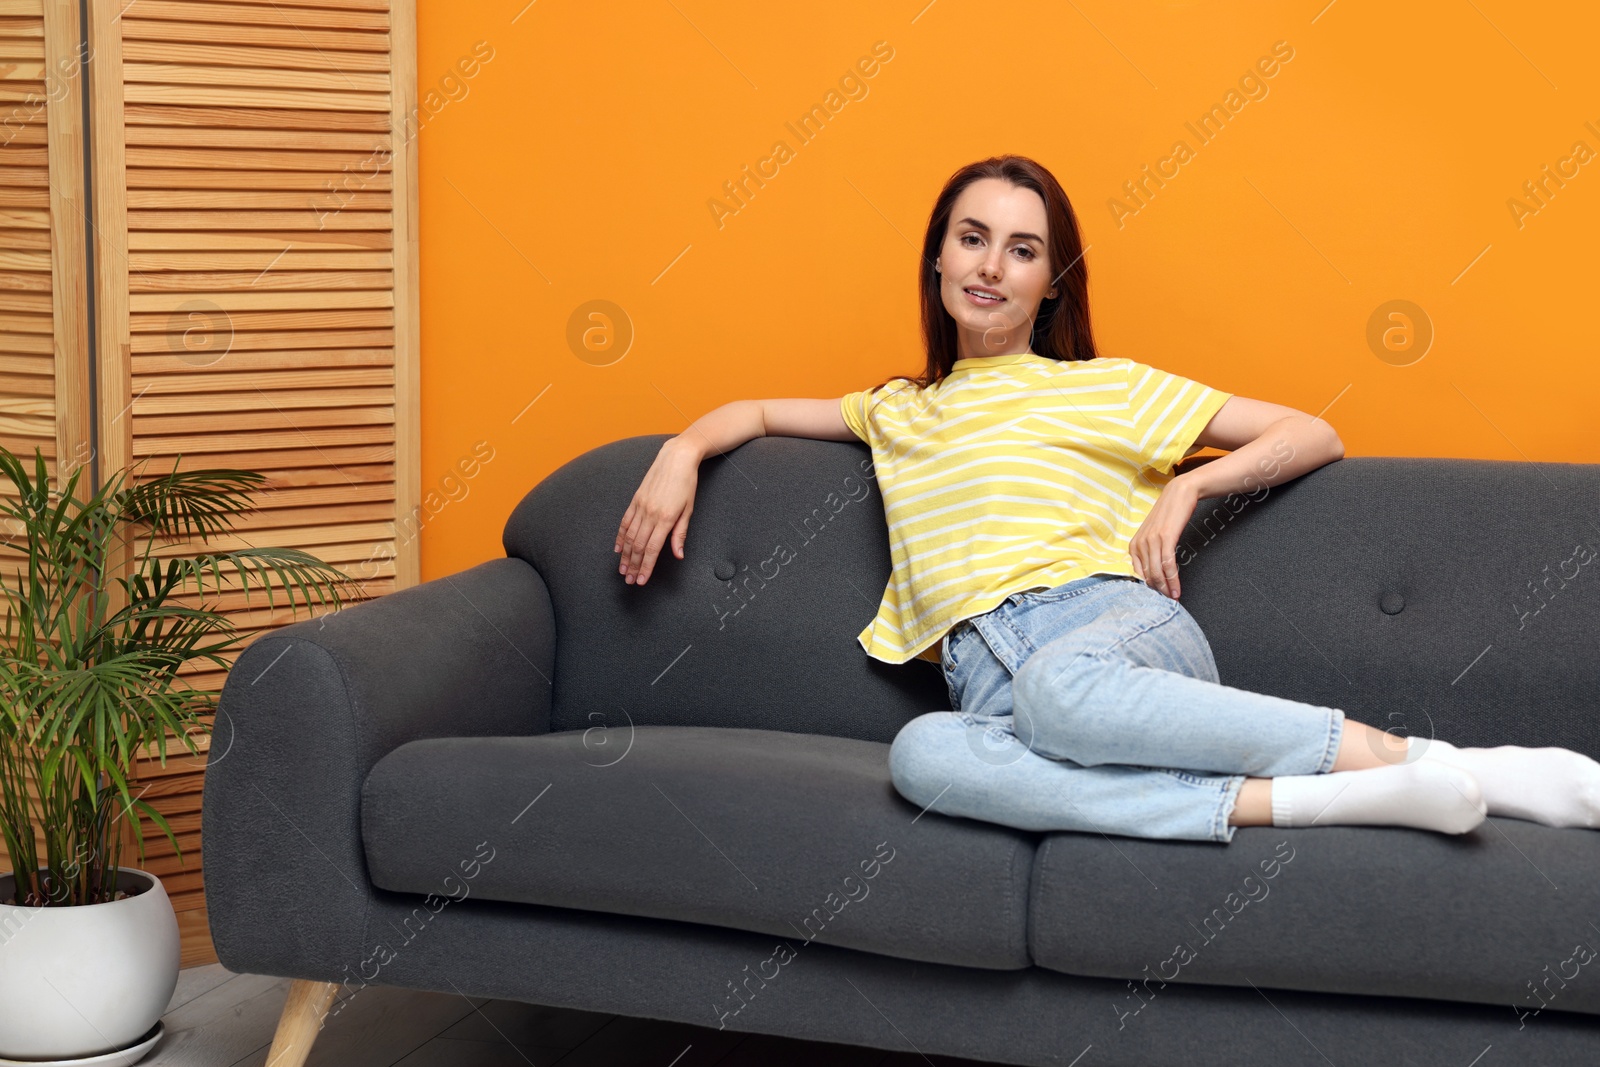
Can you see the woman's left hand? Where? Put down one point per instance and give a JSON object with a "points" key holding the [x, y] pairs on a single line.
{"points": [[1154, 547]]}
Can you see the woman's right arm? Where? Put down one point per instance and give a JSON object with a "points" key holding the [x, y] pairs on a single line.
{"points": [[664, 500]]}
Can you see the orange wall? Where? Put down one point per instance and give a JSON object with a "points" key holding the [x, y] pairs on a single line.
{"points": [[1382, 163]]}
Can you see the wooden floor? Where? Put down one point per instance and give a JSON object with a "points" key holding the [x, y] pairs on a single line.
{"points": [[221, 1019]]}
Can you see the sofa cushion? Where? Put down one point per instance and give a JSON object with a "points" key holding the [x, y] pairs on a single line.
{"points": [[758, 621], [1505, 915], [801, 836]]}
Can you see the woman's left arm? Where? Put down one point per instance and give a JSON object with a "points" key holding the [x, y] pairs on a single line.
{"points": [[1267, 444]]}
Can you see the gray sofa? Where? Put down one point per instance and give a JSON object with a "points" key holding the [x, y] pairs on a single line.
{"points": [[529, 780]]}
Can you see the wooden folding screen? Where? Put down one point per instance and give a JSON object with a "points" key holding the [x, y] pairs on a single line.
{"points": [[255, 203], [44, 366], [44, 336]]}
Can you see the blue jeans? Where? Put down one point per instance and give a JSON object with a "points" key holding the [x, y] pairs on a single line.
{"points": [[1096, 706]]}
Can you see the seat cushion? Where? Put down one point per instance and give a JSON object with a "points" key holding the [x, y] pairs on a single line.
{"points": [[801, 836], [1505, 915]]}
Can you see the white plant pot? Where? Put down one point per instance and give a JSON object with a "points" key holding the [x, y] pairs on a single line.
{"points": [[82, 981]]}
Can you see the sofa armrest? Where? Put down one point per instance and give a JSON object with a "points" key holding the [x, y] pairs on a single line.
{"points": [[305, 713]]}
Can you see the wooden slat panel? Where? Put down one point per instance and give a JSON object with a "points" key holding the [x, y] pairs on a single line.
{"points": [[357, 241], [230, 97], [194, 930], [239, 362], [333, 164], [246, 56], [259, 202], [23, 156], [221, 383], [193, 443], [154, 29], [14, 385], [252, 613], [25, 218], [39, 407], [263, 459], [44, 353], [308, 537], [336, 140], [176, 333], [40, 305], [17, 240], [149, 267], [369, 179], [243, 343], [252, 56], [260, 399], [23, 442], [161, 848], [343, 5], [20, 351], [256, 77], [191, 282], [226, 16], [26, 280], [23, 259], [317, 217]]}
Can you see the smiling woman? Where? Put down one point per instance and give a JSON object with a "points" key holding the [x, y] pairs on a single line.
{"points": [[1033, 518]]}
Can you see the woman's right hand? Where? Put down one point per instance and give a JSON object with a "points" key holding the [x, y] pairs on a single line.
{"points": [[661, 506]]}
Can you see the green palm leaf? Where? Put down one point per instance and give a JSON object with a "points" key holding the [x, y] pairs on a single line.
{"points": [[91, 682]]}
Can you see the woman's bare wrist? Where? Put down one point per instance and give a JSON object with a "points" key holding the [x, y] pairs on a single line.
{"points": [[686, 447]]}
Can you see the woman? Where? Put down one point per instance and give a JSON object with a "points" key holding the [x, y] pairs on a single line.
{"points": [[1034, 519]]}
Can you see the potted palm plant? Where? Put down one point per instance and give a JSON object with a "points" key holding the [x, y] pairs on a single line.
{"points": [[89, 682]]}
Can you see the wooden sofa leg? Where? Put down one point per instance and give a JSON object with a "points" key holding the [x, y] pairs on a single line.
{"points": [[301, 1019]]}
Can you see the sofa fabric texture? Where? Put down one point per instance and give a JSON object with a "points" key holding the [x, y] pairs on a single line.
{"points": [[672, 778], [304, 715], [800, 836]]}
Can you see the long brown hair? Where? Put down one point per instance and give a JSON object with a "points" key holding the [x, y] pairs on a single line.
{"points": [[1061, 328]]}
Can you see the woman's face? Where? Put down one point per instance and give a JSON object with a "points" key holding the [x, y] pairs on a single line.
{"points": [[994, 266]]}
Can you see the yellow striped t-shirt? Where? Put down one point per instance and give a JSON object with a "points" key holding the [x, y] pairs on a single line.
{"points": [[1013, 473]]}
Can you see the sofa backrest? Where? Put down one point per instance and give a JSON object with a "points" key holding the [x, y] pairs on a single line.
{"points": [[1438, 597]]}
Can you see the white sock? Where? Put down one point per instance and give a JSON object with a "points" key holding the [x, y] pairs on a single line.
{"points": [[1553, 786], [1427, 795]]}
